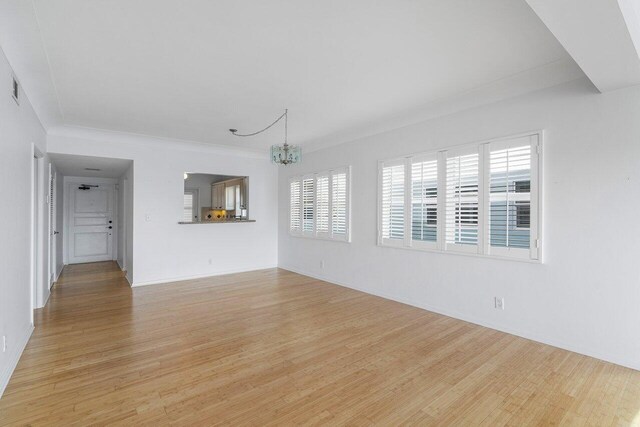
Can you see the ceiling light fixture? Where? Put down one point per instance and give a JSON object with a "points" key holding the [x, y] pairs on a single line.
{"points": [[280, 154]]}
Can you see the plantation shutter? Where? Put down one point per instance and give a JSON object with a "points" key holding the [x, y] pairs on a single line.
{"points": [[393, 202], [510, 204], [308, 205], [322, 204], [187, 214], [462, 196], [424, 200], [294, 207], [339, 205]]}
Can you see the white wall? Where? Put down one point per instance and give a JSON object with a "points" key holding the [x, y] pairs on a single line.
{"points": [[584, 297], [164, 250], [19, 131]]}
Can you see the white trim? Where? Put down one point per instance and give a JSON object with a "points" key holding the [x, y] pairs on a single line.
{"points": [[576, 348], [153, 142], [201, 276], [15, 351]]}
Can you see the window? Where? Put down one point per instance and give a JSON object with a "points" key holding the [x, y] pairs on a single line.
{"points": [[339, 209], [510, 169], [424, 200], [392, 202], [294, 207], [190, 211], [230, 197], [307, 205], [462, 200], [322, 203], [480, 198], [319, 205]]}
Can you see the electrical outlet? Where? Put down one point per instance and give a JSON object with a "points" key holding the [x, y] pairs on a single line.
{"points": [[322, 264], [210, 261], [499, 303], [147, 217], [4, 343]]}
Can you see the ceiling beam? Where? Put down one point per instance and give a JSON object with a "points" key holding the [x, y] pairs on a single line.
{"points": [[598, 35]]}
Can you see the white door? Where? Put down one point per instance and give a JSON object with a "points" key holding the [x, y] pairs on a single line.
{"points": [[91, 223]]}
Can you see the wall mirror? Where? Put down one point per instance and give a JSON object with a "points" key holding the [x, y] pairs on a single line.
{"points": [[215, 198]]}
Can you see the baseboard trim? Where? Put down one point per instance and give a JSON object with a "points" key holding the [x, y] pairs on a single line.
{"points": [[628, 363], [201, 276], [58, 273], [14, 358]]}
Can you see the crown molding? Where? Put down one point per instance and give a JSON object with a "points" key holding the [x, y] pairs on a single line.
{"points": [[110, 136]]}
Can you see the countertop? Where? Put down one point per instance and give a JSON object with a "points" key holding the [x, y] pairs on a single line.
{"points": [[218, 221]]}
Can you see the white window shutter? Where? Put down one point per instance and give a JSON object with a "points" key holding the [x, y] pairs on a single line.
{"points": [[340, 204], [295, 207], [511, 205], [187, 214], [308, 205], [322, 205], [424, 201], [462, 200], [392, 201]]}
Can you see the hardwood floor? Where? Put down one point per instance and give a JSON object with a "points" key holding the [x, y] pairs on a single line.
{"points": [[275, 348]]}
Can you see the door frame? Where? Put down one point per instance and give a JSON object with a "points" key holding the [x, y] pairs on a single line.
{"points": [[37, 230], [74, 181]]}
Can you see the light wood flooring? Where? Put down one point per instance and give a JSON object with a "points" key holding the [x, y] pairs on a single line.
{"points": [[276, 348]]}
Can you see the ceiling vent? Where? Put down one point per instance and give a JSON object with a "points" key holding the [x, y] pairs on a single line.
{"points": [[93, 169], [15, 90]]}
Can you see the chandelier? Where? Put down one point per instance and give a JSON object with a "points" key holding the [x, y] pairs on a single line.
{"points": [[280, 154]]}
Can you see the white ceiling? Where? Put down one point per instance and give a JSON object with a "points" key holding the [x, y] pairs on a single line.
{"points": [[71, 165], [191, 70]]}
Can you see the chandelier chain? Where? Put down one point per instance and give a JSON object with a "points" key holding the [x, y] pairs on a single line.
{"points": [[284, 115]]}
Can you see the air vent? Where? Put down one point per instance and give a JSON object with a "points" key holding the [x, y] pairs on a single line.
{"points": [[93, 169], [15, 90]]}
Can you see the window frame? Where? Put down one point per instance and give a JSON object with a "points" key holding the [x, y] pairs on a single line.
{"points": [[483, 247], [315, 234]]}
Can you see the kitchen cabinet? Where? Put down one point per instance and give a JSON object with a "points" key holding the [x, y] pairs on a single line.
{"points": [[218, 199]]}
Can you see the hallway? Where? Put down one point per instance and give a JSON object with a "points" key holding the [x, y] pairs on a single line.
{"points": [[272, 346]]}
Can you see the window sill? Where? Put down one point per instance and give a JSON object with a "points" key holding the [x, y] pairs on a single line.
{"points": [[326, 239], [468, 254]]}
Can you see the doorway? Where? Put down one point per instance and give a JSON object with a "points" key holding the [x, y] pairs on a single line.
{"points": [[92, 223]]}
